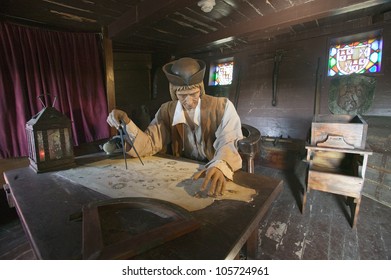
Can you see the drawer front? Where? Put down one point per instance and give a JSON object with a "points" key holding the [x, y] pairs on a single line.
{"points": [[335, 183]]}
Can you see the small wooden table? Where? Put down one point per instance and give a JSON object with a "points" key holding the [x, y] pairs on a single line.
{"points": [[47, 206]]}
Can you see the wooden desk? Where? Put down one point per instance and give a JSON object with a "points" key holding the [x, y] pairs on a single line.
{"points": [[47, 203]]}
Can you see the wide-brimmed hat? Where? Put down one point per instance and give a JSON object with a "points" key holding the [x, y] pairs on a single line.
{"points": [[185, 71]]}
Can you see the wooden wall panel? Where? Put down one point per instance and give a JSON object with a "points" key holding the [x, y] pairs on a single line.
{"points": [[295, 89], [132, 82]]}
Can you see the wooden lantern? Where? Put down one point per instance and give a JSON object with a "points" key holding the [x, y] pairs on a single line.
{"points": [[49, 140]]}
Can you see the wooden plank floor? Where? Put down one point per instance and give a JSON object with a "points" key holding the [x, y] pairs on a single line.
{"points": [[322, 232]]}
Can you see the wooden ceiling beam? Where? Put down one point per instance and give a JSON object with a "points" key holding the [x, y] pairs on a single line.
{"points": [[282, 19], [146, 11]]}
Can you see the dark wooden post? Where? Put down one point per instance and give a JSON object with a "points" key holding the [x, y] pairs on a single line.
{"points": [[109, 67]]}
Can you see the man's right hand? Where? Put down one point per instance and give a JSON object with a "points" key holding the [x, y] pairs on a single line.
{"points": [[115, 118], [213, 177]]}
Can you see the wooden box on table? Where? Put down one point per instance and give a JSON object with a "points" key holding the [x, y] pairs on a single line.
{"points": [[352, 128]]}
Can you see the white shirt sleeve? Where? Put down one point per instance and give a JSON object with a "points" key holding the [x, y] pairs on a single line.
{"points": [[227, 135]]}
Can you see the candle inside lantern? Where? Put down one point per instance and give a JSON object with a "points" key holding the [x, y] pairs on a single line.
{"points": [[41, 155]]}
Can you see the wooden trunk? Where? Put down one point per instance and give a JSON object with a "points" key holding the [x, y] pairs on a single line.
{"points": [[281, 153]]}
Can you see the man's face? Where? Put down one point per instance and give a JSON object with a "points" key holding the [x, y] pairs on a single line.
{"points": [[189, 98]]}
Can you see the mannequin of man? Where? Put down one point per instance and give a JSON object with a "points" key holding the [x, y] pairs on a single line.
{"points": [[193, 125]]}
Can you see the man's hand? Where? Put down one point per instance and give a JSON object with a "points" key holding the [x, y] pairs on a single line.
{"points": [[116, 116], [215, 177]]}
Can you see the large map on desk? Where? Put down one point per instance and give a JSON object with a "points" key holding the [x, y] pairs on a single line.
{"points": [[160, 178]]}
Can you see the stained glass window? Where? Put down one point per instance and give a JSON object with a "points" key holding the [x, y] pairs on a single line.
{"points": [[356, 57], [222, 74]]}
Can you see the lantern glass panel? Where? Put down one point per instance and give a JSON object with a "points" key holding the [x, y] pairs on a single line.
{"points": [[41, 148], [54, 141]]}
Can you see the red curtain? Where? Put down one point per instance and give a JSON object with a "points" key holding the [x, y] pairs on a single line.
{"points": [[65, 65]]}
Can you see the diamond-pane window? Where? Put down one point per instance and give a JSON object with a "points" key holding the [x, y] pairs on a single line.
{"points": [[356, 57], [222, 74]]}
